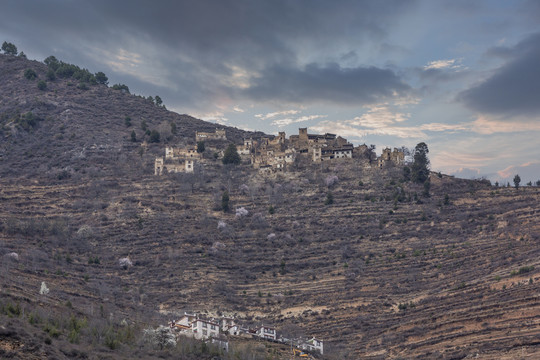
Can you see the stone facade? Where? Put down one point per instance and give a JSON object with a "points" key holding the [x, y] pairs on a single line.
{"points": [[217, 135], [162, 166], [173, 153], [395, 157]]}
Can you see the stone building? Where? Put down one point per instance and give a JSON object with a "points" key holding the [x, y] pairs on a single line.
{"points": [[219, 134], [182, 153], [389, 157], [162, 166]]}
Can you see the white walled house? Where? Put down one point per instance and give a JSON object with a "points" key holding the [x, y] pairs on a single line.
{"points": [[313, 345], [204, 329], [267, 332]]}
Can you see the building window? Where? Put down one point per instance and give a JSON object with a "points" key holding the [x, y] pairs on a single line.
{"points": [[212, 327], [204, 325]]}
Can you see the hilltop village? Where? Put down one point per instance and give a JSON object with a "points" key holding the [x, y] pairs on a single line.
{"points": [[273, 154], [217, 331]]}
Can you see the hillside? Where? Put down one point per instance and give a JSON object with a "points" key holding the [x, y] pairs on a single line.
{"points": [[382, 272], [78, 128]]}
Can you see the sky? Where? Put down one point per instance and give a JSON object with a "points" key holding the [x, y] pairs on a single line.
{"points": [[463, 76]]}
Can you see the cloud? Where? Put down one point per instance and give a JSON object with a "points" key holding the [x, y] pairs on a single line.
{"points": [[329, 83], [238, 109], [202, 53], [442, 70], [513, 88], [289, 121], [216, 117], [276, 113], [443, 64], [491, 125], [382, 119], [529, 171]]}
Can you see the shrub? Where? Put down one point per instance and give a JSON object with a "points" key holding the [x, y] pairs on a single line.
{"points": [[101, 78], [13, 255], [122, 87], [427, 186], [127, 121], [200, 147], [51, 75], [51, 329], [125, 263], [42, 85], [241, 212], [225, 201], [52, 62], [525, 269], [30, 74], [161, 337], [244, 189], [517, 180], [258, 221], [9, 48], [329, 198], [154, 136], [82, 86], [446, 199], [331, 180], [133, 136], [44, 290], [221, 225]]}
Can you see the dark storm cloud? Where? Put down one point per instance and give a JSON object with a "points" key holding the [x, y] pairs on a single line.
{"points": [[197, 43], [330, 83], [514, 88]]}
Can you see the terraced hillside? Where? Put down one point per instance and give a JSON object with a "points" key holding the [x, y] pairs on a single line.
{"points": [[377, 273]]}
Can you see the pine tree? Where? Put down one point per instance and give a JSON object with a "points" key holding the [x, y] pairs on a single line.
{"points": [[231, 155], [420, 166]]}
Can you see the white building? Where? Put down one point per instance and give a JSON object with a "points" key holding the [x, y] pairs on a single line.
{"points": [[267, 332], [313, 345], [204, 329]]}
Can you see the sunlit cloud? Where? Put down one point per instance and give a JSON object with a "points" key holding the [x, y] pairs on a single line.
{"points": [[379, 116], [528, 168], [453, 161], [444, 64], [216, 117], [288, 121], [277, 113], [381, 119], [491, 125], [238, 109], [239, 77]]}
